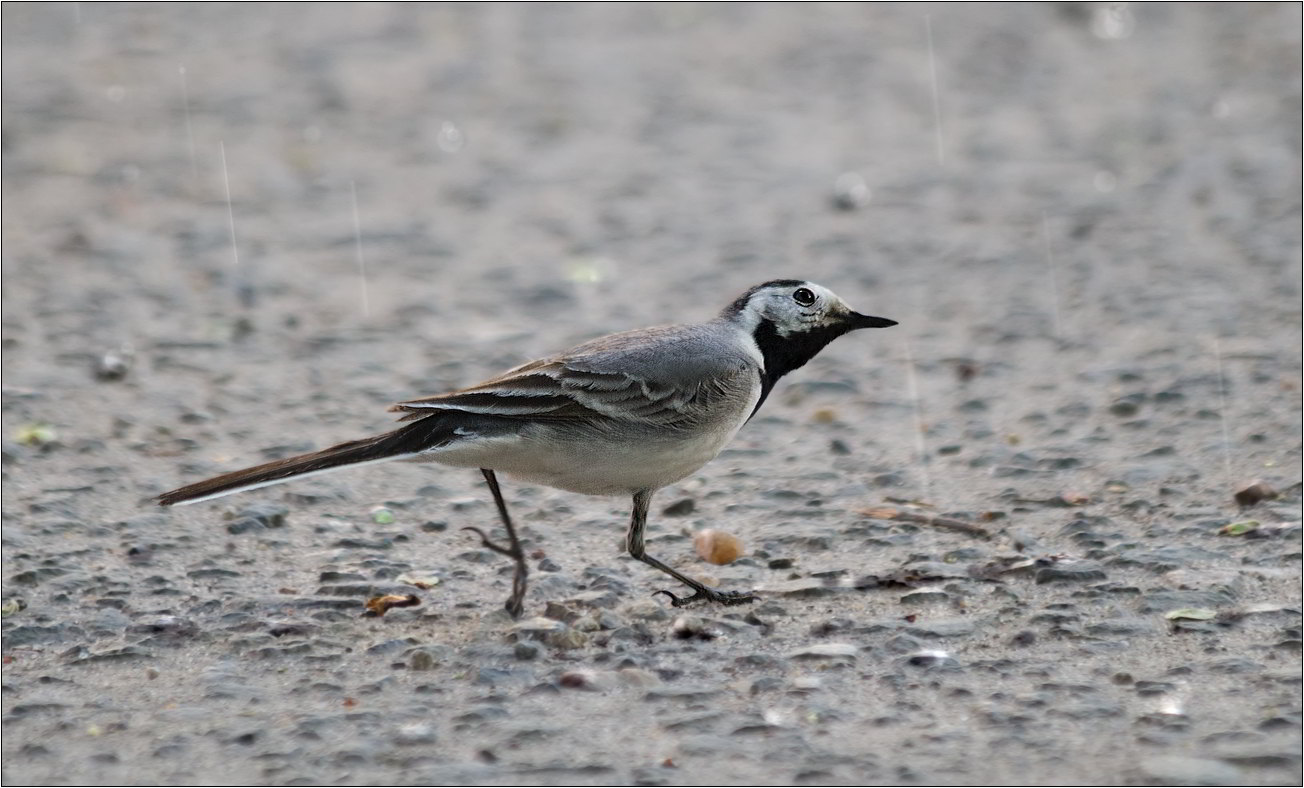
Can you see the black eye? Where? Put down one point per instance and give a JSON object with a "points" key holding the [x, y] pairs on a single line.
{"points": [[803, 296]]}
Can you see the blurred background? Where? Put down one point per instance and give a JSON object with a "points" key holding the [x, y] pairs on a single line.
{"points": [[1020, 185]]}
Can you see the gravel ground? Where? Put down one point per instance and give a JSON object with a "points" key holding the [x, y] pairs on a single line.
{"points": [[1089, 232]]}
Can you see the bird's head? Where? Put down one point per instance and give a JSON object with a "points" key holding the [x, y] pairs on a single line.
{"points": [[791, 321], [790, 308]]}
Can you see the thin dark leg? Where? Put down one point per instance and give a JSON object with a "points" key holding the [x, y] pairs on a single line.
{"points": [[516, 602], [634, 544]]}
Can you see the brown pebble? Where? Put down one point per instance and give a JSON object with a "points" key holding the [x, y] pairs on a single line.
{"points": [[576, 679], [966, 371], [718, 547], [680, 508], [1258, 491]]}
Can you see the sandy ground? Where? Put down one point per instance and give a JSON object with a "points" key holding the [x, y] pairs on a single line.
{"points": [[1089, 232]]}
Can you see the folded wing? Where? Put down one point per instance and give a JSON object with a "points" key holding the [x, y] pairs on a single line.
{"points": [[553, 391], [671, 380]]}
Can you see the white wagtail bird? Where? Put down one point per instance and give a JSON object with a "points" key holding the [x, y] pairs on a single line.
{"points": [[626, 414]]}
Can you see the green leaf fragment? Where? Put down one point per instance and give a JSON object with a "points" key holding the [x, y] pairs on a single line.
{"points": [[1191, 614], [382, 515], [36, 434], [1239, 529]]}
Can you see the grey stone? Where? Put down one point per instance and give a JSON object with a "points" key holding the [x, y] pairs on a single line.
{"points": [[831, 652], [1071, 572], [415, 733], [257, 516], [1185, 770], [942, 628]]}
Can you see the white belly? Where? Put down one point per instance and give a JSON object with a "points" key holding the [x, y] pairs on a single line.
{"points": [[597, 464]]}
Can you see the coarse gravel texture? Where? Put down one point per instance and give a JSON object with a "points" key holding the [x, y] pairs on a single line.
{"points": [[1090, 234]]}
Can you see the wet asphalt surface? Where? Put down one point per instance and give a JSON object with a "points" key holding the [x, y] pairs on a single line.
{"points": [[1089, 234]]}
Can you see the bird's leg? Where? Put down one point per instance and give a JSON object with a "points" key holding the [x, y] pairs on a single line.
{"points": [[516, 602], [634, 544]]}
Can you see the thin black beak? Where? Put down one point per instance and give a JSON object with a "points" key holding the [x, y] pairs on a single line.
{"points": [[858, 320]]}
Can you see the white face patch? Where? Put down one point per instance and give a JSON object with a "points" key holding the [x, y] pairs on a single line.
{"points": [[787, 313]]}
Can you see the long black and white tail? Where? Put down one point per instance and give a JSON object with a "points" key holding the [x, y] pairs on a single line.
{"points": [[404, 442]]}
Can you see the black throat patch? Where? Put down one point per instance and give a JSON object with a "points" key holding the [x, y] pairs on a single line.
{"points": [[784, 354]]}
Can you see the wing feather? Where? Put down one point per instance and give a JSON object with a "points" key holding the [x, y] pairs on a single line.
{"points": [[667, 376], [558, 392]]}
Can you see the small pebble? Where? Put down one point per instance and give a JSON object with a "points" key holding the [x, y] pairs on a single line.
{"points": [[1254, 493], [679, 508], [567, 638], [835, 652], [687, 627], [1071, 572], [578, 679], [112, 366], [850, 191], [415, 733], [717, 547], [931, 659], [257, 516], [421, 660]]}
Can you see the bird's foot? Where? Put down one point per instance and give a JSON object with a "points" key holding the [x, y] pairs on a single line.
{"points": [[708, 595], [485, 541], [515, 604]]}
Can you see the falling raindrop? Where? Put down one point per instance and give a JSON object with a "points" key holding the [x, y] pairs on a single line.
{"points": [[937, 101], [1113, 21], [1052, 269], [230, 211], [1222, 408], [190, 132], [450, 138], [921, 448]]}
